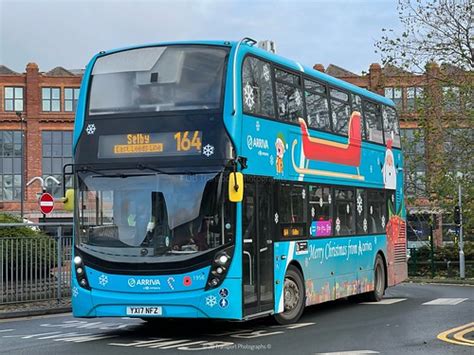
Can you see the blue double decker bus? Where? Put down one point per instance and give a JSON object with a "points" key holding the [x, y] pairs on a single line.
{"points": [[219, 180]]}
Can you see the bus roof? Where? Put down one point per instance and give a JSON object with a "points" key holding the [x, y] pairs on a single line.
{"points": [[294, 65]]}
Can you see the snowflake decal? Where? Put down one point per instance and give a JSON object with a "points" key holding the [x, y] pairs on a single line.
{"points": [[313, 212], [383, 221], [371, 209], [338, 224], [334, 118], [249, 98], [348, 209], [208, 150], [298, 98], [276, 217], [393, 198], [90, 128], [266, 73], [103, 280], [271, 160], [211, 301], [303, 194], [359, 204], [329, 199], [320, 202], [257, 126], [171, 282], [75, 292], [365, 224]]}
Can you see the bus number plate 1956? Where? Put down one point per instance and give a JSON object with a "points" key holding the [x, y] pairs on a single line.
{"points": [[144, 311]]}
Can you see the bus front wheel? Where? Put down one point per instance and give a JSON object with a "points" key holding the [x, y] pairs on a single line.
{"points": [[293, 297], [379, 281]]}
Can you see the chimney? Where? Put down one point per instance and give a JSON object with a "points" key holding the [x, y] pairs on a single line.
{"points": [[319, 67]]}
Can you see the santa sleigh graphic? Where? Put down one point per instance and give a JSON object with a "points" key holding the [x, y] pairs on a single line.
{"points": [[324, 150]]}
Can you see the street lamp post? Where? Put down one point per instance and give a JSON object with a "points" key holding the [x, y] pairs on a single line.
{"points": [[462, 265]]}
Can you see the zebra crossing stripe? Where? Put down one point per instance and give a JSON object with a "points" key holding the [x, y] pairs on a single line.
{"points": [[445, 302], [386, 301]]}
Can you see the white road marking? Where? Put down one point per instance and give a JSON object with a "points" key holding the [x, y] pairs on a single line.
{"points": [[352, 352], [386, 301], [445, 302], [6, 330], [35, 317]]}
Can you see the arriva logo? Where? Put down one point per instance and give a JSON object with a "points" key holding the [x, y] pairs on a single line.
{"points": [[144, 282], [254, 142]]}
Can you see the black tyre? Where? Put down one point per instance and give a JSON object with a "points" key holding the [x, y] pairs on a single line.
{"points": [[379, 281], [293, 296]]}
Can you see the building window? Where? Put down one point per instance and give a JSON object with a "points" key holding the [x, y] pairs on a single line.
{"points": [[13, 99], [57, 151], [51, 99], [458, 150], [451, 99], [413, 142], [10, 165], [395, 94], [414, 96], [71, 95]]}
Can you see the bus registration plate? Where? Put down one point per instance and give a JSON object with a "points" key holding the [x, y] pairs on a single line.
{"points": [[144, 311]]}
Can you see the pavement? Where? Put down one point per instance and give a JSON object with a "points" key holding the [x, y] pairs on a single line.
{"points": [[412, 319]]}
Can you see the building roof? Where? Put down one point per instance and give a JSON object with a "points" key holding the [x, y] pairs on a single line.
{"points": [[451, 69], [7, 71], [336, 71], [392, 70], [59, 71], [77, 71]]}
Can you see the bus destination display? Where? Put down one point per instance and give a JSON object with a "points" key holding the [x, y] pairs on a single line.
{"points": [[150, 144]]}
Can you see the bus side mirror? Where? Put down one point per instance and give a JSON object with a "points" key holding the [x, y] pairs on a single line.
{"points": [[236, 187], [68, 200]]}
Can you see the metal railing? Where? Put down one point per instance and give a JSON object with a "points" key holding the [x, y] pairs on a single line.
{"points": [[35, 266]]}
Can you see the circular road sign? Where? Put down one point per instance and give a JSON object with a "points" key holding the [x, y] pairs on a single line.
{"points": [[46, 203]]}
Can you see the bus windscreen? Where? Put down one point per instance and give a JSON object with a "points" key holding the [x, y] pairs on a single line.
{"points": [[167, 78]]}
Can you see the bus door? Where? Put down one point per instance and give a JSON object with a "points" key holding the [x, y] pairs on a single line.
{"points": [[257, 229]]}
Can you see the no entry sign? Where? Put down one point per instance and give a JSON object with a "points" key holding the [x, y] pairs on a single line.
{"points": [[46, 203]]}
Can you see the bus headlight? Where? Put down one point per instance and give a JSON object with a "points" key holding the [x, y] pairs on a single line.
{"points": [[80, 272], [219, 267]]}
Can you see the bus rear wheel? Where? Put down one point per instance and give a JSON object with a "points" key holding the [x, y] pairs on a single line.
{"points": [[379, 281], [293, 297]]}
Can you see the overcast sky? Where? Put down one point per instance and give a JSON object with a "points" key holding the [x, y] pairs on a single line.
{"points": [[67, 33]]}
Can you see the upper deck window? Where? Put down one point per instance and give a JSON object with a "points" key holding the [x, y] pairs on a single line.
{"points": [[390, 126], [158, 79], [289, 96], [317, 106], [341, 111], [257, 90], [373, 122]]}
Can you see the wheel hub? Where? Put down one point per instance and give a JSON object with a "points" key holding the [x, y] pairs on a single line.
{"points": [[292, 295]]}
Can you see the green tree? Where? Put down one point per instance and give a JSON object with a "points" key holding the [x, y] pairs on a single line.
{"points": [[440, 31]]}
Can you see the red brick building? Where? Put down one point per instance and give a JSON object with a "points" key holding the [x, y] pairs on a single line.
{"points": [[41, 105]]}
